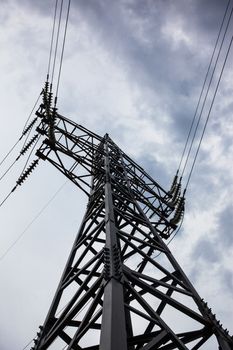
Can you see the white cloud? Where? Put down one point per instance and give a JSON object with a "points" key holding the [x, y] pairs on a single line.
{"points": [[175, 33]]}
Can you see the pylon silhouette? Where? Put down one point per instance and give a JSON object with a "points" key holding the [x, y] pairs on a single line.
{"points": [[121, 289]]}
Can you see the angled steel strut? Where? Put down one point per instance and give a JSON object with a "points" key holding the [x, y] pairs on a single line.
{"points": [[114, 294]]}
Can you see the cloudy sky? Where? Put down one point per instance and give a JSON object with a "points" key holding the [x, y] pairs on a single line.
{"points": [[133, 69]]}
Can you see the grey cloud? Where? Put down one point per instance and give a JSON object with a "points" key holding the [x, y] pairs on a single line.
{"points": [[156, 66], [225, 226], [171, 75], [152, 166], [227, 277], [206, 250]]}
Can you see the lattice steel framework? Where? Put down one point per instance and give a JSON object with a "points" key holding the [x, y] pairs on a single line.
{"points": [[121, 289]]}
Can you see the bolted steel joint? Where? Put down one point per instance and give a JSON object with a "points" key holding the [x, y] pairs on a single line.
{"points": [[107, 270]]}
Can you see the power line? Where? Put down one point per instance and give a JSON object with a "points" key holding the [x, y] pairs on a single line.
{"points": [[56, 45], [21, 174], [9, 168], [26, 346], [32, 221], [63, 47], [52, 39], [177, 231], [24, 128], [4, 200], [33, 108], [203, 86], [9, 152], [206, 95], [22, 177], [22, 152], [208, 116]]}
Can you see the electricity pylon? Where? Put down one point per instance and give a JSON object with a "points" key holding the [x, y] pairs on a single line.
{"points": [[121, 288]]}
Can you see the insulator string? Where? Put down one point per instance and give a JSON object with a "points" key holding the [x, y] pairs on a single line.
{"points": [[27, 137], [202, 89], [20, 173], [28, 158], [24, 128], [208, 116], [30, 126], [22, 152], [206, 95]]}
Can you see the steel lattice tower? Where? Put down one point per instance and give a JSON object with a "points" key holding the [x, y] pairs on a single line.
{"points": [[121, 288]]}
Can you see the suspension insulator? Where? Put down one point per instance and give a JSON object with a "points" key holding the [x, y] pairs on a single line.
{"points": [[52, 121], [50, 99], [46, 89], [44, 98], [47, 99], [29, 144], [27, 172], [179, 213], [174, 184], [176, 195], [45, 92], [48, 103], [29, 126]]}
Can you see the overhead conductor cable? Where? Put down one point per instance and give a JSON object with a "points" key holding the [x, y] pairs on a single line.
{"points": [[56, 45], [63, 47], [206, 95], [52, 40], [195, 114], [203, 86], [24, 132], [208, 116]]}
